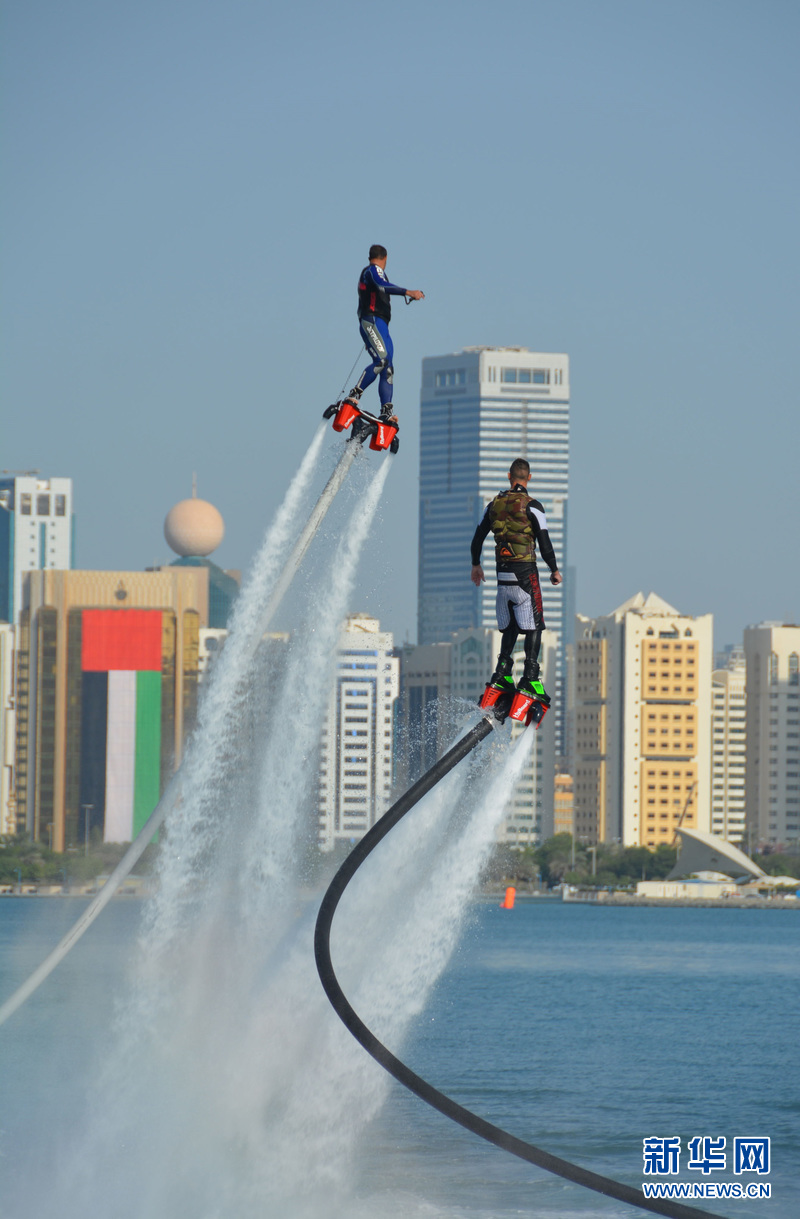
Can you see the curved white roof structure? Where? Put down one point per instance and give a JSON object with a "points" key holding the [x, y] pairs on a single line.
{"points": [[701, 852]]}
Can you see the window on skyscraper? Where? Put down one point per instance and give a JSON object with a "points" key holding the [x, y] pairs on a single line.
{"points": [[25, 503], [61, 505], [454, 376], [510, 375], [43, 505], [541, 376]]}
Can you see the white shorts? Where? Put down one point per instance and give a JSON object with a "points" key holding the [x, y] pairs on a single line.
{"points": [[525, 602]]}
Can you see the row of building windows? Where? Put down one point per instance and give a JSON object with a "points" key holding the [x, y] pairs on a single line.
{"points": [[794, 669], [524, 376], [453, 376], [42, 504]]}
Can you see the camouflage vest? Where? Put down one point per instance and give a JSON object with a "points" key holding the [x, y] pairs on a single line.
{"points": [[513, 534]]}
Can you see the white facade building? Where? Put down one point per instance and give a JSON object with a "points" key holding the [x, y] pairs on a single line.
{"points": [[481, 408], [641, 736], [729, 741], [355, 780], [8, 814], [36, 532], [772, 652]]}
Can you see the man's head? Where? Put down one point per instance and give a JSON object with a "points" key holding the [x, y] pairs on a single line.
{"points": [[520, 471], [378, 254]]}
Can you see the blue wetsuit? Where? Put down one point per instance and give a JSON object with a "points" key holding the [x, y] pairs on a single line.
{"points": [[374, 315]]}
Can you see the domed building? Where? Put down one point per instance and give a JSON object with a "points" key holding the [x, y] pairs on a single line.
{"points": [[193, 529]]}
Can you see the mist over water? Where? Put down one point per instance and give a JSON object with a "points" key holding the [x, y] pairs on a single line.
{"points": [[231, 1089]]}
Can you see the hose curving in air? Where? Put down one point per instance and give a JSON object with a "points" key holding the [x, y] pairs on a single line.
{"points": [[403, 1074]]}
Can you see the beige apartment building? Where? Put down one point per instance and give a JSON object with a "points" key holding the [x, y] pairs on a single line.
{"points": [[641, 723], [563, 805]]}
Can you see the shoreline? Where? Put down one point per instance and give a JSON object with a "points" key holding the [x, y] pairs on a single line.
{"points": [[588, 898], [602, 898]]}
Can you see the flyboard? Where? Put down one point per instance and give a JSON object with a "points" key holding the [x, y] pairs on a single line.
{"points": [[501, 708], [382, 433], [172, 791]]}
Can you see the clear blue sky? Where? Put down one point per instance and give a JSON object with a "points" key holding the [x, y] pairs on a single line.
{"points": [[190, 189]]}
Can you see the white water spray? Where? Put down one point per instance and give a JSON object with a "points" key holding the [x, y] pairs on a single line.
{"points": [[234, 1092], [195, 823], [263, 572], [390, 984]]}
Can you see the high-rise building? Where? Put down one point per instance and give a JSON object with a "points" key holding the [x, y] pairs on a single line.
{"points": [[563, 805], [36, 533], [441, 682], [772, 652], [481, 408], [641, 736], [8, 810], [106, 691], [729, 737], [422, 718], [355, 777]]}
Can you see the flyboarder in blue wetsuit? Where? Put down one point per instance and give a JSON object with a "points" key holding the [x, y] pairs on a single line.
{"points": [[374, 315]]}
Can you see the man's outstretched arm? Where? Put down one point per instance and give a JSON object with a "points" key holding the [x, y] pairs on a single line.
{"points": [[379, 279]]}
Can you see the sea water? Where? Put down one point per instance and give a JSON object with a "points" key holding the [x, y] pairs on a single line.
{"points": [[582, 1029]]}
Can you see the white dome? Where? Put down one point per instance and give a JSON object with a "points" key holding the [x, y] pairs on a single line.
{"points": [[194, 528]]}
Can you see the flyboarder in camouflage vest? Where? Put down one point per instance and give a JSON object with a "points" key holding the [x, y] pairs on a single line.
{"points": [[519, 524]]}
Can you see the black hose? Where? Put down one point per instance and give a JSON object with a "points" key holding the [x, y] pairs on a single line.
{"points": [[403, 1074]]}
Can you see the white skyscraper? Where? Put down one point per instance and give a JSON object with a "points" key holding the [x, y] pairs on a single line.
{"points": [[36, 532], [355, 779], [481, 408], [729, 739], [8, 817], [772, 651]]}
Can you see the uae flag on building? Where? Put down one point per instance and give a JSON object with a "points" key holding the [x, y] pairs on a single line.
{"points": [[120, 718]]}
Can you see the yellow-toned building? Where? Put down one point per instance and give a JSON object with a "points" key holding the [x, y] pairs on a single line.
{"points": [[641, 728], [107, 670], [563, 805]]}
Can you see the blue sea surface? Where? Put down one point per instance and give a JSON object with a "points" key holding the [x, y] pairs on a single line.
{"points": [[585, 1029], [582, 1029]]}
